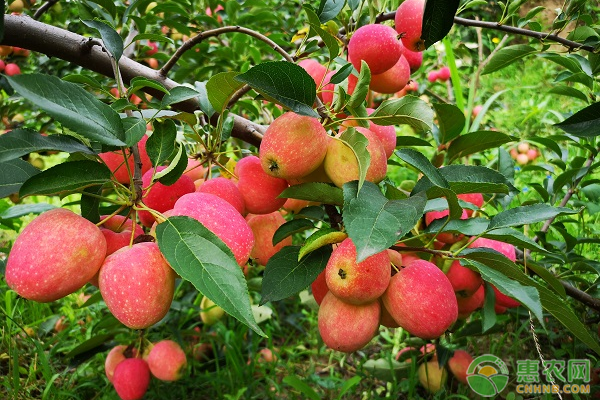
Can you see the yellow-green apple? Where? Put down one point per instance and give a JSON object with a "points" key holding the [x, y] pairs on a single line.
{"points": [[522, 159], [414, 58], [341, 165], [137, 285], [131, 378], [523, 147], [357, 282], [115, 161], [464, 280], [319, 287], [263, 227], [259, 190], [221, 218], [347, 327], [504, 248], [329, 88], [54, 256], [210, 313], [409, 24], [421, 300], [161, 197], [167, 361], [225, 189], [474, 198], [447, 237], [293, 146], [12, 69], [5, 51], [432, 376], [392, 80], [444, 74], [377, 45], [114, 358], [458, 365], [315, 69], [16, 6], [466, 305]]}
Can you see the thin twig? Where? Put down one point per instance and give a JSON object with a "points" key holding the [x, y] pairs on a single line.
{"points": [[44, 7]]}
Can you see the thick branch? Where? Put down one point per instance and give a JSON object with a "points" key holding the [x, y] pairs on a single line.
{"points": [[27, 33]]}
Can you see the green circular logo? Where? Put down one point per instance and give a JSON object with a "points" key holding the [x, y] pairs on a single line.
{"points": [[487, 375]]}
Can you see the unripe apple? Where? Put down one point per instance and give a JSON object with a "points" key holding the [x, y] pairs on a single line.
{"points": [[341, 165], [167, 361], [315, 70], [225, 189], [137, 285], [259, 190], [392, 80], [504, 248], [210, 313], [16, 6], [421, 300], [319, 287], [54, 256], [357, 282], [466, 305], [347, 327], [523, 147], [377, 45], [522, 159], [409, 24], [414, 58], [221, 218], [115, 162], [114, 358], [432, 376], [161, 197], [465, 281], [131, 378], [12, 69], [444, 74], [293, 146], [459, 363], [263, 227]]}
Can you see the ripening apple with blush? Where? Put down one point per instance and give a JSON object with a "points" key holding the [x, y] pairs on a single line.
{"points": [[319, 287], [385, 133], [167, 361], [115, 161], [392, 80], [464, 280], [131, 379], [315, 69], [225, 189], [259, 189], [409, 24], [264, 227], [114, 358], [327, 93], [432, 376], [459, 364], [375, 44]]}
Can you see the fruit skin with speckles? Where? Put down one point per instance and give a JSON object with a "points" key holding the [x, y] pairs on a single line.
{"points": [[115, 162], [225, 189], [409, 24], [259, 189], [377, 45], [137, 285], [55, 255], [264, 227], [167, 360], [114, 358], [131, 378]]}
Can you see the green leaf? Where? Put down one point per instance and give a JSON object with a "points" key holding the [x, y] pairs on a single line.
{"points": [[72, 106], [285, 275], [525, 215], [476, 142], [161, 144], [451, 121], [290, 227], [286, 83], [564, 90], [13, 174], [358, 143], [90, 205], [220, 88], [177, 95], [91, 343], [139, 82], [65, 178], [409, 110], [111, 39], [362, 86], [176, 168], [315, 191], [488, 313], [438, 19], [155, 37], [550, 301], [410, 141], [375, 223], [470, 179], [322, 237], [548, 277], [329, 9], [20, 142], [21, 210], [506, 56], [583, 123], [329, 40], [514, 237], [301, 386], [200, 257], [135, 129], [341, 74], [203, 100]]}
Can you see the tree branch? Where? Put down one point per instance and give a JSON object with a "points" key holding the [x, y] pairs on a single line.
{"points": [[24, 32], [45, 7]]}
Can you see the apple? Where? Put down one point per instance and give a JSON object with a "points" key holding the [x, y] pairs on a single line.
{"points": [[476, 110], [459, 363], [474, 198], [444, 74], [117, 232], [54, 256], [167, 361], [432, 76], [347, 327], [432, 376], [465, 281], [522, 159], [385, 133], [357, 282], [341, 165], [293, 146], [18, 51], [114, 358], [263, 227], [195, 169], [259, 190], [329, 88], [161, 197], [153, 48], [377, 45], [209, 12], [504, 300], [392, 80], [221, 218], [447, 237], [61, 324], [152, 63], [421, 300], [115, 162], [386, 318], [266, 355], [295, 205], [409, 23], [507, 249], [225, 189], [16, 6], [137, 285], [210, 313], [131, 378], [414, 58], [314, 69], [5, 51], [2, 65], [319, 287], [395, 258], [12, 69], [532, 154], [523, 147], [466, 305]]}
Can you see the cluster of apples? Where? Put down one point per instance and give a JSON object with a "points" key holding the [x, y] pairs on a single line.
{"points": [[130, 371], [11, 68], [523, 154], [442, 74]]}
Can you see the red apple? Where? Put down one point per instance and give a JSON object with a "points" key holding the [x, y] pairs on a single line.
{"points": [[319, 287], [115, 162], [153, 48], [314, 69], [459, 363], [225, 189], [329, 88], [409, 23], [474, 198], [444, 74], [2, 65], [263, 227], [167, 361], [114, 358], [117, 232], [259, 190], [476, 110], [377, 45], [447, 237], [504, 248], [392, 80], [12, 69], [131, 378], [195, 170], [532, 154], [432, 76], [414, 58], [465, 281], [466, 305]]}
